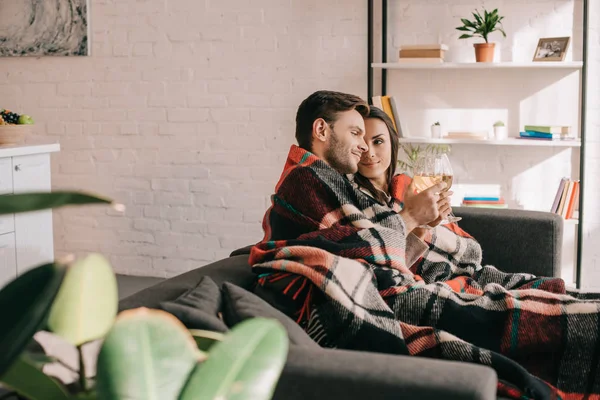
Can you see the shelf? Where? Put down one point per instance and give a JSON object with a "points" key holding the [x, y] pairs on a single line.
{"points": [[474, 65], [571, 221], [493, 142]]}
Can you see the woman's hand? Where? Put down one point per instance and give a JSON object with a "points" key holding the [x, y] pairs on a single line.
{"points": [[444, 208]]}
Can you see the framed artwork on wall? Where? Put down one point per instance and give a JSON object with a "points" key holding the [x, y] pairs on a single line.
{"points": [[44, 28]]}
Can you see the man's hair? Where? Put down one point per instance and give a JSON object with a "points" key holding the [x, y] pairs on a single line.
{"points": [[324, 104]]}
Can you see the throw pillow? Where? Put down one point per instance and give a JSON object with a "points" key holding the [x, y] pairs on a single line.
{"points": [[199, 307], [240, 304]]}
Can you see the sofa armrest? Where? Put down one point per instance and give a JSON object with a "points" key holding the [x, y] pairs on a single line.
{"points": [[341, 374], [516, 240]]}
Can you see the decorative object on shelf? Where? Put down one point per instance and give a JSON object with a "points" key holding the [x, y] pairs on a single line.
{"points": [[500, 130], [552, 49], [482, 26], [44, 28], [14, 127], [412, 153], [436, 130]]}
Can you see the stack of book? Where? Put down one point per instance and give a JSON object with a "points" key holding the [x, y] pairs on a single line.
{"points": [[546, 132], [484, 202], [389, 105], [567, 198], [422, 53]]}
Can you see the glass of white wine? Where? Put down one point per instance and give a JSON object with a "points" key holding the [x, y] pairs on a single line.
{"points": [[431, 169]]}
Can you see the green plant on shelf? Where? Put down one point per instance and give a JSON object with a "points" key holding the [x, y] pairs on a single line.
{"points": [[482, 25], [411, 153], [498, 123]]}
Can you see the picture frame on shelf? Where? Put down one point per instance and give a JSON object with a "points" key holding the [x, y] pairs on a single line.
{"points": [[552, 49]]}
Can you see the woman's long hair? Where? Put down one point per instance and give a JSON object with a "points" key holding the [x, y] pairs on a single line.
{"points": [[375, 112]]}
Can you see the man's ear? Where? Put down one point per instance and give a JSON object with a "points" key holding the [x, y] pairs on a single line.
{"points": [[319, 130]]}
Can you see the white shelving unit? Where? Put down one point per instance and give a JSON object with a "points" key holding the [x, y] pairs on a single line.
{"points": [[493, 142], [574, 65], [537, 75]]}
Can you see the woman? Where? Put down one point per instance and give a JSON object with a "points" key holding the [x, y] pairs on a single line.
{"points": [[377, 173]]}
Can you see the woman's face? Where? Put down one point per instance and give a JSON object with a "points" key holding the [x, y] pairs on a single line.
{"points": [[376, 161]]}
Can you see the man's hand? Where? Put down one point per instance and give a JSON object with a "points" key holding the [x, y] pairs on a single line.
{"points": [[422, 208]]}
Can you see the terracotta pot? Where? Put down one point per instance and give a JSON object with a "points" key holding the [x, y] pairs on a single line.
{"points": [[484, 52]]}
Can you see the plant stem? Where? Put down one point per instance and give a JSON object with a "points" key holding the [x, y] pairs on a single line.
{"points": [[82, 377]]}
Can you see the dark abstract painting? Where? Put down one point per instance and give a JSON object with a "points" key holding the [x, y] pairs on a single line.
{"points": [[44, 28]]}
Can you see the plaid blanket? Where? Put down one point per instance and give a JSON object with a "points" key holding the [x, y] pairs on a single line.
{"points": [[334, 259]]}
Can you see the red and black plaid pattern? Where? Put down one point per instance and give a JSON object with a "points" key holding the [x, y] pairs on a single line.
{"points": [[333, 259]]}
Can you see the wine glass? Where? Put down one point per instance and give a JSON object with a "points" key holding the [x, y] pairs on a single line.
{"points": [[431, 169]]}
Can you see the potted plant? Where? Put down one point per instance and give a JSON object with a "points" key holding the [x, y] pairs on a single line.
{"points": [[500, 131], [482, 26], [436, 130]]}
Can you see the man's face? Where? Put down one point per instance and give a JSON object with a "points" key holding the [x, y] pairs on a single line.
{"points": [[346, 142]]}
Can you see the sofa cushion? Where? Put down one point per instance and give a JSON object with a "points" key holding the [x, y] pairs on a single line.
{"points": [[240, 304], [199, 307]]}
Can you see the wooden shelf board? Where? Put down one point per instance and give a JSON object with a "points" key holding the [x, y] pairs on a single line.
{"points": [[492, 142], [475, 65]]}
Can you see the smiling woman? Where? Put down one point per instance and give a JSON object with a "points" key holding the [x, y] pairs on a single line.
{"points": [[48, 27], [376, 169]]}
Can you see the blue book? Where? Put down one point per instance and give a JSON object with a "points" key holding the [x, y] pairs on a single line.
{"points": [[540, 135], [479, 198]]}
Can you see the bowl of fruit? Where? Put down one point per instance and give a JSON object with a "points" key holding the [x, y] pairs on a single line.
{"points": [[14, 127]]}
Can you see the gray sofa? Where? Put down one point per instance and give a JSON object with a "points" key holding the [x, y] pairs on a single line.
{"points": [[512, 240]]}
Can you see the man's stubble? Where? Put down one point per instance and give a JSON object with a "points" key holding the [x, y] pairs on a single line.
{"points": [[339, 157]]}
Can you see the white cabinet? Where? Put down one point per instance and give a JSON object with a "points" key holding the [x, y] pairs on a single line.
{"points": [[26, 239], [33, 230], [8, 258]]}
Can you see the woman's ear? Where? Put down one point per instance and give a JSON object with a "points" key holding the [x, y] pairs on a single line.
{"points": [[320, 130]]}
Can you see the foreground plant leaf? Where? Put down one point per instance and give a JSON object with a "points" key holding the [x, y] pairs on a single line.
{"points": [[87, 303], [34, 201], [206, 339], [245, 365], [26, 379], [25, 303], [147, 355]]}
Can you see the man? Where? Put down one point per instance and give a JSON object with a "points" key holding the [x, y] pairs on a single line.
{"points": [[335, 260]]}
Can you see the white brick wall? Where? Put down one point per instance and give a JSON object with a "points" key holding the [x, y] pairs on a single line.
{"points": [[185, 112]]}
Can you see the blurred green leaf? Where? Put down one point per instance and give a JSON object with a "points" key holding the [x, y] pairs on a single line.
{"points": [[87, 303], [26, 379], [206, 339], [147, 355], [25, 202], [245, 365], [25, 303]]}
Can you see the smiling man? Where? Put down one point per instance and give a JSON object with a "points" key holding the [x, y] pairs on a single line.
{"points": [[331, 126]]}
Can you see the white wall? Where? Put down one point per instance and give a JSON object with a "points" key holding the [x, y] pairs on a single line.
{"points": [[185, 112]]}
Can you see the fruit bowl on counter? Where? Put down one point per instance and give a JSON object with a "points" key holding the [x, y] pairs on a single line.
{"points": [[14, 127]]}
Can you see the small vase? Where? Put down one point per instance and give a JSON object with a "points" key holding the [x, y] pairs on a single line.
{"points": [[484, 52], [436, 131], [500, 132]]}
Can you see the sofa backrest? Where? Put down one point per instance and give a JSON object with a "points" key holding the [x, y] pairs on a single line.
{"points": [[232, 269]]}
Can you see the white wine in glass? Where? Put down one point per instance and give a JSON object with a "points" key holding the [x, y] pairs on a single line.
{"points": [[430, 170]]}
